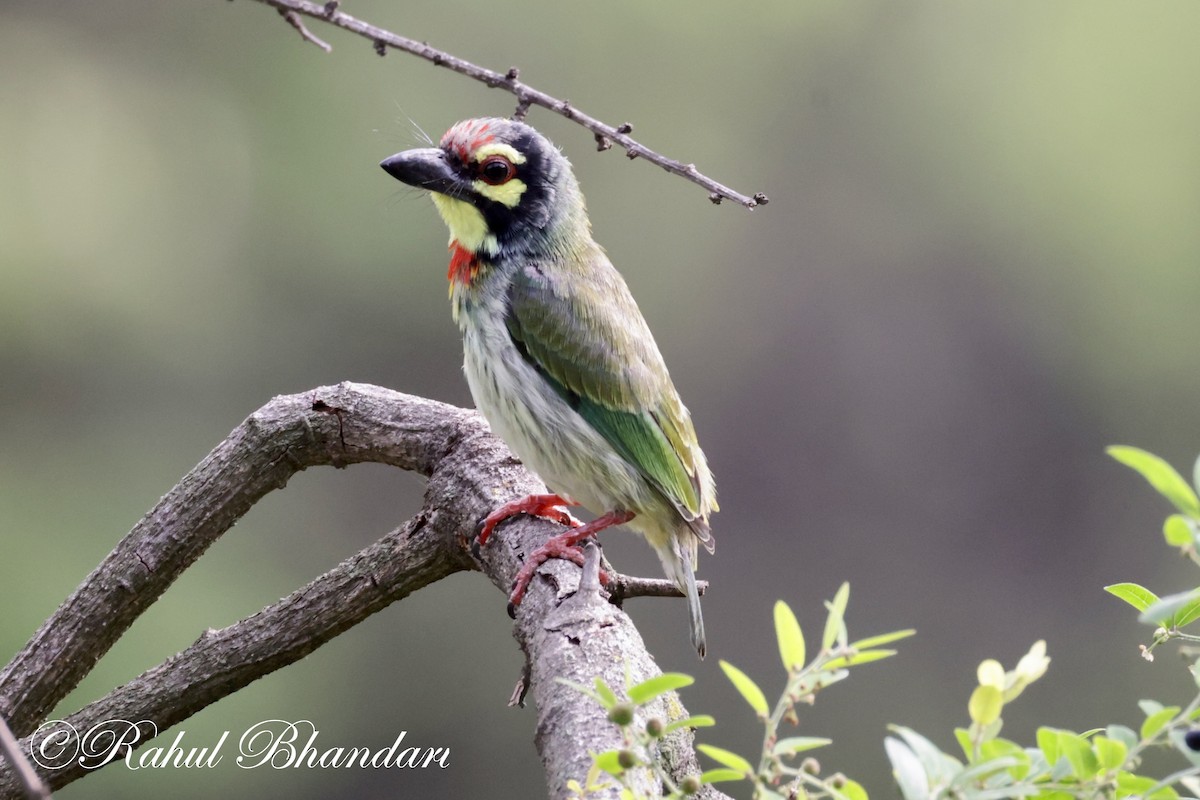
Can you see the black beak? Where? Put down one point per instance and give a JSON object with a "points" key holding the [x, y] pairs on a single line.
{"points": [[425, 169]]}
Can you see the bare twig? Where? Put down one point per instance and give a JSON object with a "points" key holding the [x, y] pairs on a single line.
{"points": [[294, 20], [11, 750], [625, 587], [526, 95], [469, 472]]}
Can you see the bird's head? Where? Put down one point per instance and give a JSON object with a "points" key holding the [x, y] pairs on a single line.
{"points": [[498, 183]]}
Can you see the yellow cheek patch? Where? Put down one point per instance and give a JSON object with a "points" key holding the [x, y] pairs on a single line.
{"points": [[497, 149], [508, 193], [467, 225]]}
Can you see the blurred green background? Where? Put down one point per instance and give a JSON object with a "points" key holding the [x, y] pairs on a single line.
{"points": [[978, 268]]}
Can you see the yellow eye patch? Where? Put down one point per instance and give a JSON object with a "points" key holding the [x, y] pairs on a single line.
{"points": [[497, 149], [508, 193]]}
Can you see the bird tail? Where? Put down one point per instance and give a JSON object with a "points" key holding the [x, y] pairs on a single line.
{"points": [[679, 561], [693, 602]]}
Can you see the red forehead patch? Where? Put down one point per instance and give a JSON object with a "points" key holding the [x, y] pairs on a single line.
{"points": [[467, 136]]}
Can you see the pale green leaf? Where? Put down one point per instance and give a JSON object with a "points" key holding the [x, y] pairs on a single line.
{"points": [[1122, 734], [964, 741], [990, 673], [726, 758], [835, 623], [1177, 531], [798, 744], [1156, 721], [1149, 707], [983, 769], [1137, 596], [865, 657], [906, 767], [608, 698], [1047, 741], [609, 762], [748, 688], [651, 688], [1110, 752], [791, 640], [1173, 610], [883, 638], [852, 790], [938, 766], [719, 775], [1084, 763], [698, 721], [1161, 475], [985, 704]]}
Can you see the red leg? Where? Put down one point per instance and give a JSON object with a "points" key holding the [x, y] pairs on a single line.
{"points": [[564, 546], [539, 505]]}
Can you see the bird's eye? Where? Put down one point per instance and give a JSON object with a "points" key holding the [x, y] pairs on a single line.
{"points": [[495, 170]]}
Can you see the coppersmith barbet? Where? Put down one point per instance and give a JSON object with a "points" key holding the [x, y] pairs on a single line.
{"points": [[557, 355]]}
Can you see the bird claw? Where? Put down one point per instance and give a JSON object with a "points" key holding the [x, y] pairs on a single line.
{"points": [[547, 506], [564, 546]]}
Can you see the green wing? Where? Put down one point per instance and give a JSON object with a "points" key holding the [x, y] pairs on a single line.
{"points": [[585, 335]]}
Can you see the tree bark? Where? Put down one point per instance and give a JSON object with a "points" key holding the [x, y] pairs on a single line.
{"points": [[563, 632]]}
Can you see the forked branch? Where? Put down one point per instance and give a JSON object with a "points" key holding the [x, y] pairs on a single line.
{"points": [[564, 633]]}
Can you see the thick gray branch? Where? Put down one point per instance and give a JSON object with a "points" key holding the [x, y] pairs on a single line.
{"points": [[469, 473]]}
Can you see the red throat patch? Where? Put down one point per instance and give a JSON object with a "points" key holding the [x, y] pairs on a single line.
{"points": [[463, 265]]}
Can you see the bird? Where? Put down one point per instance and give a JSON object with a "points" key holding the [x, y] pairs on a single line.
{"points": [[558, 357]]}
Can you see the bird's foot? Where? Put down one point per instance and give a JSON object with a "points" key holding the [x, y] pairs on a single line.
{"points": [[564, 546], [548, 506]]}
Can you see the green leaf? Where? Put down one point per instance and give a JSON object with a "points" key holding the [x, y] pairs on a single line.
{"points": [[995, 750], [1137, 596], [748, 688], [853, 660], [1084, 763], [985, 769], [1177, 531], [985, 704], [798, 744], [608, 761], [835, 623], [651, 688], [883, 638], [1156, 721], [852, 790], [964, 741], [1161, 475], [1149, 707], [1047, 741], [906, 768], [1122, 734], [938, 766], [1109, 752], [1130, 784], [607, 698], [791, 640], [1173, 610], [698, 721], [719, 775], [727, 758]]}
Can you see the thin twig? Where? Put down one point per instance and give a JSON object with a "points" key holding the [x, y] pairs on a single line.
{"points": [[526, 95], [294, 20], [624, 587], [11, 750]]}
